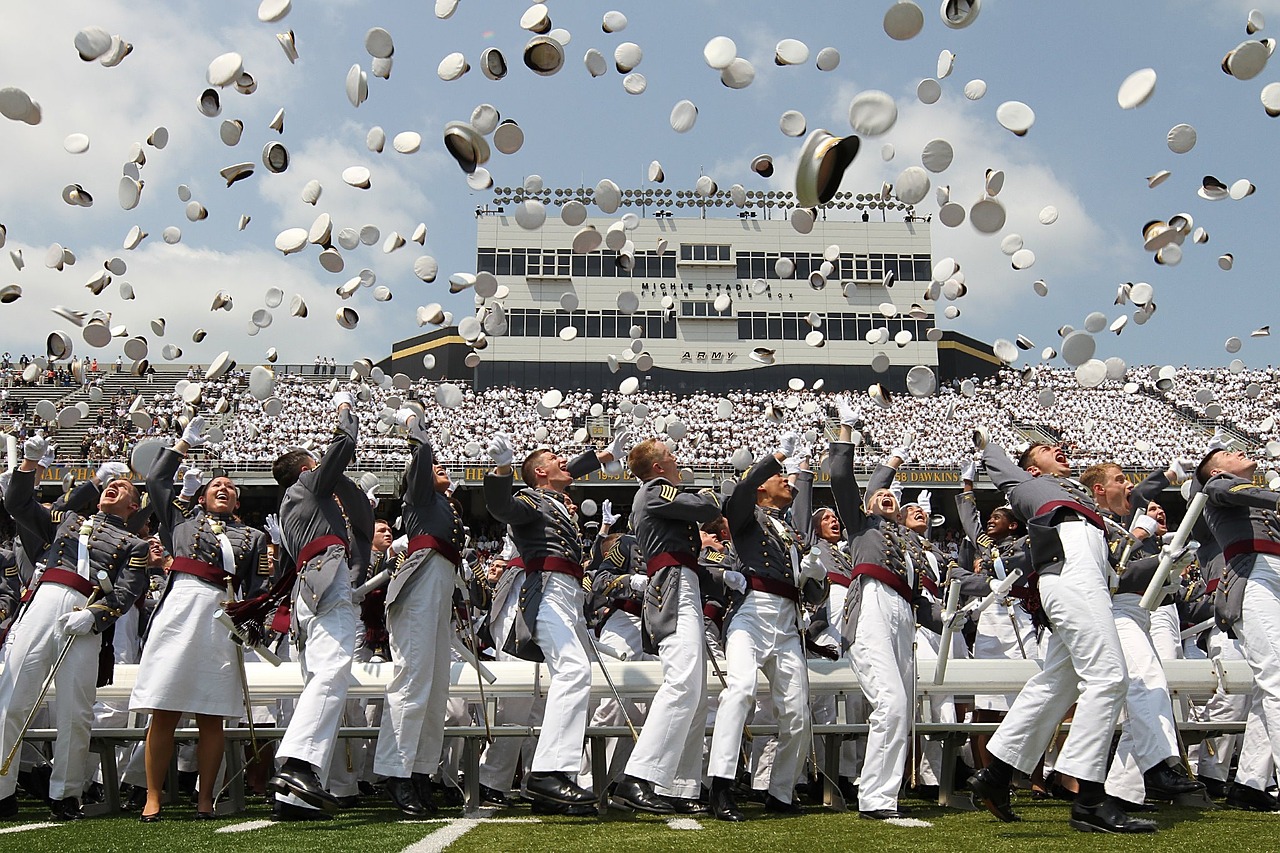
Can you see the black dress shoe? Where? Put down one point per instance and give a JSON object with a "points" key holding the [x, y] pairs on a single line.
{"points": [[1215, 788], [9, 807], [1164, 782], [206, 816], [721, 800], [150, 818], [546, 807], [345, 803], [1106, 816], [1133, 808], [297, 778], [688, 806], [638, 794], [1250, 799], [556, 788], [880, 814], [135, 799], [493, 797], [993, 794], [404, 796], [848, 789], [777, 806], [94, 793], [426, 791], [289, 812], [67, 808]]}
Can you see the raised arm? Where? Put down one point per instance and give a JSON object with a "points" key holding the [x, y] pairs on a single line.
{"points": [[1001, 468], [584, 463], [161, 493], [1224, 491], [419, 482], [340, 452], [33, 520], [844, 488], [740, 508], [971, 519], [802, 505]]}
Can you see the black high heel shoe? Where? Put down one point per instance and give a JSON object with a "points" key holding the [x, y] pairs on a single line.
{"points": [[149, 818]]}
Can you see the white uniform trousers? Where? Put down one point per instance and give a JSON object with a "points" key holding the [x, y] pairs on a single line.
{"points": [[34, 645], [669, 752], [847, 708], [564, 725], [884, 664], [498, 763], [999, 630], [1259, 631], [1166, 632], [1255, 767], [763, 636], [327, 636], [620, 632], [1149, 735], [1083, 651], [419, 625]]}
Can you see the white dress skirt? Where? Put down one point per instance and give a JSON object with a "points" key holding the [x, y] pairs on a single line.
{"points": [[188, 661], [997, 638]]}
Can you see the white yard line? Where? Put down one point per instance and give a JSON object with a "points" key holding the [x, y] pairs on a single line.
{"points": [[26, 826], [683, 823], [455, 829], [247, 826], [909, 822]]}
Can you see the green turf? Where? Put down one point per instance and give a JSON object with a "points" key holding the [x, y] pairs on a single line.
{"points": [[377, 828]]}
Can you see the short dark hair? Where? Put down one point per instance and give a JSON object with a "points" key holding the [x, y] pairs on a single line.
{"points": [[531, 462], [1202, 470], [288, 467], [1024, 459], [1007, 513]]}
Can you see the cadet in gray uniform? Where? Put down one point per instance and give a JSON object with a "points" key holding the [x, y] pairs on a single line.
{"points": [[667, 759], [1245, 521], [1069, 550], [419, 599], [80, 546], [327, 525], [763, 633], [550, 622], [188, 664]]}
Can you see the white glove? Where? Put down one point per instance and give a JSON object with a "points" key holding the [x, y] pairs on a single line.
{"points": [[34, 448], [357, 596], [850, 416], [791, 464], [1181, 469], [811, 568], [499, 450], [787, 443], [620, 445], [402, 417], [969, 470], [400, 545], [191, 482], [903, 450], [50, 454], [194, 435], [77, 623], [272, 525], [373, 497], [735, 580], [639, 582], [925, 499], [1144, 522], [607, 515], [110, 471], [896, 489], [1220, 441], [957, 621], [341, 397]]}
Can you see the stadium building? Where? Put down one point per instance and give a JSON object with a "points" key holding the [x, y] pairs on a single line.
{"points": [[700, 294]]}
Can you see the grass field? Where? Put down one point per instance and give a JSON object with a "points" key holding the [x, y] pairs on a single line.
{"points": [[376, 828]]}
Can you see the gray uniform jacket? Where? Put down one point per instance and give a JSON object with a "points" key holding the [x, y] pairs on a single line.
{"points": [[1013, 551], [112, 548], [762, 537], [10, 588], [715, 595], [877, 545], [666, 521], [426, 512], [325, 502], [1041, 503], [544, 534], [609, 581], [1245, 521], [193, 538]]}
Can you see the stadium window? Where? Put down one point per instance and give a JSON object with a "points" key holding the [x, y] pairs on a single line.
{"points": [[923, 267], [518, 262], [515, 323], [579, 266], [486, 260], [744, 327]]}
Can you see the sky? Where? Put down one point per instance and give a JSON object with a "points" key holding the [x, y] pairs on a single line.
{"points": [[1084, 155]]}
